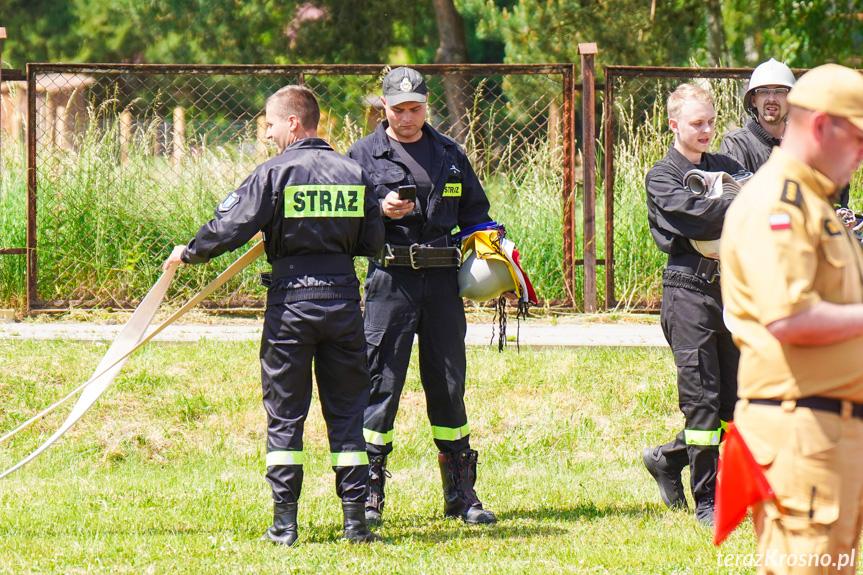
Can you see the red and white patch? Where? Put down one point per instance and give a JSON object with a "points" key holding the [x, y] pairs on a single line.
{"points": [[779, 221]]}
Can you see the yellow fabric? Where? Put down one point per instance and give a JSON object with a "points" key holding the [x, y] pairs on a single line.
{"points": [[779, 258], [487, 247]]}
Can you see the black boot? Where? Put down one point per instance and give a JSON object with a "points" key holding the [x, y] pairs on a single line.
{"points": [[356, 530], [458, 474], [666, 470], [703, 470], [377, 479], [284, 528]]}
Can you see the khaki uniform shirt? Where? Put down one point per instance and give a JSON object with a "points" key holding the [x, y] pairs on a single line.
{"points": [[784, 250]]}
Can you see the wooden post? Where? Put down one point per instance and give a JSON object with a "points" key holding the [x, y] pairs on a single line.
{"points": [[554, 129], [261, 140], [125, 135], [179, 140], [50, 117], [588, 94], [157, 138]]}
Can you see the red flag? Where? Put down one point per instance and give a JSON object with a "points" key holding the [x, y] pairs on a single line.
{"points": [[741, 483]]}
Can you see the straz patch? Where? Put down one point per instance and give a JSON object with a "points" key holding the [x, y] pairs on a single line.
{"points": [[232, 200], [325, 201], [779, 221], [831, 228], [452, 191], [791, 193]]}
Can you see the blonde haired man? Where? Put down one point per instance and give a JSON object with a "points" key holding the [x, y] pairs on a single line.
{"points": [[691, 316]]}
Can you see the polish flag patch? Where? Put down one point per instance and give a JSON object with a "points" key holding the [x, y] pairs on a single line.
{"points": [[779, 221]]}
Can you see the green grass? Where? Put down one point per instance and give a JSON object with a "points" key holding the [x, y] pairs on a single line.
{"points": [[165, 474]]}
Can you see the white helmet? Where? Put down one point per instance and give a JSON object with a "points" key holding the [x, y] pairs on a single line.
{"points": [[770, 73], [484, 279]]}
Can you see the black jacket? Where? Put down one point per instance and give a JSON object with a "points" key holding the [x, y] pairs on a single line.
{"points": [[451, 166], [309, 200], [750, 145], [677, 215]]}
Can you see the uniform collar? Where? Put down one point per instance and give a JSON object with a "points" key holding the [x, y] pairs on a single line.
{"points": [[383, 147], [307, 143], [803, 173], [759, 132], [680, 160]]}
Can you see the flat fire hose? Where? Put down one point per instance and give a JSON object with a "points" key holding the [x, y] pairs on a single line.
{"points": [[125, 344]]}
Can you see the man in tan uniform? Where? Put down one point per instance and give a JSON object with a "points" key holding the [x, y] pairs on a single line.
{"points": [[792, 282]]}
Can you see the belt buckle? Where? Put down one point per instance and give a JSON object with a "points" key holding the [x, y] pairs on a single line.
{"points": [[388, 255], [708, 270], [458, 257], [414, 264]]}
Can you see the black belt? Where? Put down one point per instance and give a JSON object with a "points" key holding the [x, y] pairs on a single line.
{"points": [[704, 268], [313, 264], [418, 256], [829, 404]]}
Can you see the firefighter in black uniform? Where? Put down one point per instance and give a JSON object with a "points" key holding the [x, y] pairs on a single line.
{"points": [[316, 210], [426, 187], [691, 316], [766, 102]]}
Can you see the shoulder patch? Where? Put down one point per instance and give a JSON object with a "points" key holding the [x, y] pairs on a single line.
{"points": [[232, 200], [780, 221], [791, 193], [831, 228]]}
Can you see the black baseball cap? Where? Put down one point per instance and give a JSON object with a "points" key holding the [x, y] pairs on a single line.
{"points": [[404, 85]]}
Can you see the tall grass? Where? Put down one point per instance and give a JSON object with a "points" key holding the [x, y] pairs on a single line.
{"points": [[109, 213], [109, 216], [13, 218]]}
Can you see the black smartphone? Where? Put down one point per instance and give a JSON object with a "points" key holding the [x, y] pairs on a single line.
{"points": [[408, 193]]}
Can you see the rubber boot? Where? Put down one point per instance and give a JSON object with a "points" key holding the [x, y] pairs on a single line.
{"points": [[356, 530], [377, 480], [284, 528], [458, 474], [665, 469]]}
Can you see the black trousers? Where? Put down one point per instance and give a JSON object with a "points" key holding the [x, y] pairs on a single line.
{"points": [[330, 333], [401, 302], [706, 360]]}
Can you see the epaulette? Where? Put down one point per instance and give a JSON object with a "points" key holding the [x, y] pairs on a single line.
{"points": [[791, 193]]}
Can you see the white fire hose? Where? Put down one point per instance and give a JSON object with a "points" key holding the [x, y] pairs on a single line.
{"points": [[130, 339]]}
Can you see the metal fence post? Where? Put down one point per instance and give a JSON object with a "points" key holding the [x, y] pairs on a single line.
{"points": [[568, 196], [588, 99], [32, 269], [608, 113]]}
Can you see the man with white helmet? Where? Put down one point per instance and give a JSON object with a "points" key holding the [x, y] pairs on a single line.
{"points": [[766, 103]]}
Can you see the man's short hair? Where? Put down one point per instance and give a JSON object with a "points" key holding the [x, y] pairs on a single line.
{"points": [[683, 93], [296, 101]]}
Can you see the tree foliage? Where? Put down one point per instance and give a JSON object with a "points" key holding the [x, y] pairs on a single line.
{"points": [[646, 32]]}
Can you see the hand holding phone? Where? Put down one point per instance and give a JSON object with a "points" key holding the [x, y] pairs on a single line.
{"points": [[408, 193]]}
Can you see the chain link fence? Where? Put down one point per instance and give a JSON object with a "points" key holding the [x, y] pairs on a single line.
{"points": [[636, 136], [130, 161]]}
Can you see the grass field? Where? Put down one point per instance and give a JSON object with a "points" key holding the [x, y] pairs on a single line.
{"points": [[165, 474]]}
